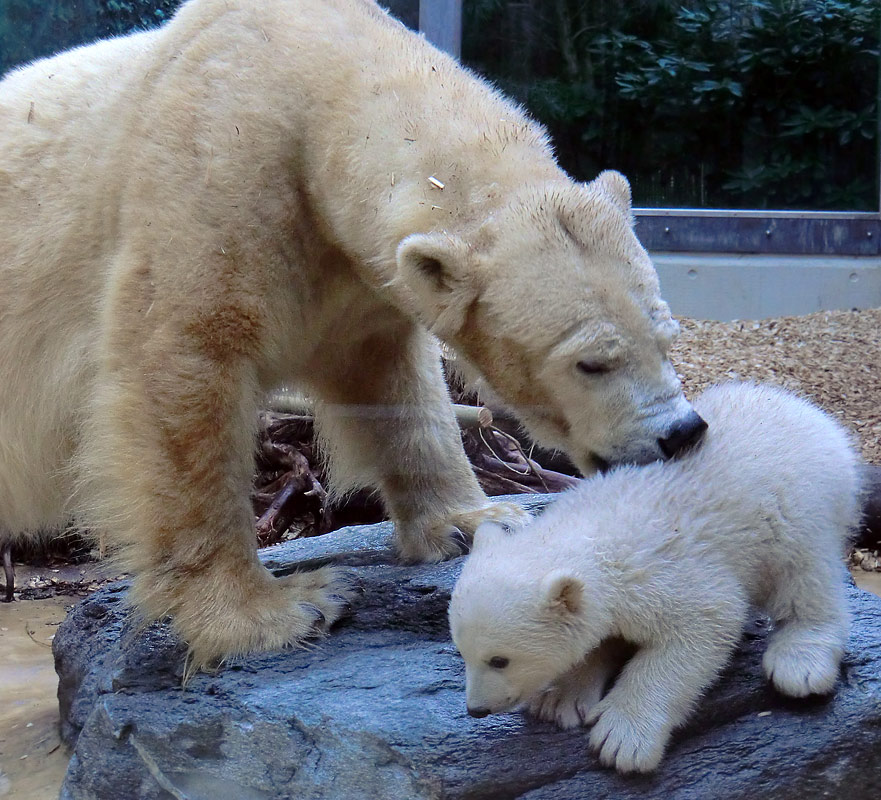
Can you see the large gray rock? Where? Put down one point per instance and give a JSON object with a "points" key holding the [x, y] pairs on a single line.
{"points": [[377, 711]]}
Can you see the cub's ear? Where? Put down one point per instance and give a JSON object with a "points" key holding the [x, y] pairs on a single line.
{"points": [[437, 270], [617, 188], [563, 593]]}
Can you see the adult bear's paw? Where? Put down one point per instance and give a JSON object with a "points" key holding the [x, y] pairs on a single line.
{"points": [[451, 535]]}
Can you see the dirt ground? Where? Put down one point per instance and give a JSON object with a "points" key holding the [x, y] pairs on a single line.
{"points": [[833, 358]]}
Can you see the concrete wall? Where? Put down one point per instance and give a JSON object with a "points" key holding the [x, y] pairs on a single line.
{"points": [[736, 286]]}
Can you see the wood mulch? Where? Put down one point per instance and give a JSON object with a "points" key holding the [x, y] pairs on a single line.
{"points": [[831, 357]]}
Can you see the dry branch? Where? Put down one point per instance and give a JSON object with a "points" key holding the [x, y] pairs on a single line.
{"points": [[289, 495]]}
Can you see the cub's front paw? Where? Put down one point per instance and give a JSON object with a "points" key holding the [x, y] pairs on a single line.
{"points": [[626, 742], [566, 702], [424, 540], [570, 700]]}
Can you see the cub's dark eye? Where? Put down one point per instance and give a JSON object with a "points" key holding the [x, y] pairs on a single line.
{"points": [[593, 367], [498, 662]]}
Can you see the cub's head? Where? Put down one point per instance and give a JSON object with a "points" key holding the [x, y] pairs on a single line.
{"points": [[554, 307], [517, 630]]}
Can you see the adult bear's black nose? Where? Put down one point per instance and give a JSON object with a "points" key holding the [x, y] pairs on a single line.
{"points": [[683, 434], [479, 713]]}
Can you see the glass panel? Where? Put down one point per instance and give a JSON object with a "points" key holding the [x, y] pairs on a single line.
{"points": [[708, 103]]}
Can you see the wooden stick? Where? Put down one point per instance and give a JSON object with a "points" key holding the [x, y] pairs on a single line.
{"points": [[9, 569], [300, 407]]}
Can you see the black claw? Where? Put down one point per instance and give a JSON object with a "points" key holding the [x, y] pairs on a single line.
{"points": [[320, 620], [462, 541], [344, 603], [350, 583]]}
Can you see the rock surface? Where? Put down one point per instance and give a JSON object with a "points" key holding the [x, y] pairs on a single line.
{"points": [[377, 710]]}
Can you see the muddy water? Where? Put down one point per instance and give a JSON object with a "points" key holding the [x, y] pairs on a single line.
{"points": [[870, 581], [32, 758]]}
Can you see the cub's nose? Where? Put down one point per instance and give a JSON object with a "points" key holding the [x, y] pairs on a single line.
{"points": [[683, 434], [479, 713]]}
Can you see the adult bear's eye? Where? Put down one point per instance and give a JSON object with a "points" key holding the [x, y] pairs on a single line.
{"points": [[589, 367], [498, 662]]}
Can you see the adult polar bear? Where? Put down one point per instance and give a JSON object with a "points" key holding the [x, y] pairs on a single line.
{"points": [[276, 192]]}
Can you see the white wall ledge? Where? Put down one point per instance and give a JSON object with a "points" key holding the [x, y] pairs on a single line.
{"points": [[726, 286]]}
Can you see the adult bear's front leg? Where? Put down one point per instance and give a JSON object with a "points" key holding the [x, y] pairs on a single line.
{"points": [[386, 420], [169, 461]]}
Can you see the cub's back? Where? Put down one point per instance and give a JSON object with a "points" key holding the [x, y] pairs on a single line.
{"points": [[766, 447], [772, 430], [771, 465]]}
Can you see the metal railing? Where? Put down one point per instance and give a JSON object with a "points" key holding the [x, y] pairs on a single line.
{"points": [[699, 230]]}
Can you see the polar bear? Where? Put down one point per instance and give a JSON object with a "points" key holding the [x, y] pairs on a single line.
{"points": [[667, 557], [297, 194]]}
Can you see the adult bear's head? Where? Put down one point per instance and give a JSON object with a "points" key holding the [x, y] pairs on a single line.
{"points": [[554, 306]]}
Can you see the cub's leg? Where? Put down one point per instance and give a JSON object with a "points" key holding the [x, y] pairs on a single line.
{"points": [[569, 699], [811, 628], [385, 418], [659, 686], [167, 475]]}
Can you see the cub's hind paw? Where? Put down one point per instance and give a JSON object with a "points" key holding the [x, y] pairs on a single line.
{"points": [[802, 670]]}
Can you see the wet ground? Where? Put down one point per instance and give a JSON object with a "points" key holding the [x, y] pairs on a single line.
{"points": [[870, 581], [32, 758]]}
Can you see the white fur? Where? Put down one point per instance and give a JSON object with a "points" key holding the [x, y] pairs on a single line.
{"points": [[668, 557], [249, 197]]}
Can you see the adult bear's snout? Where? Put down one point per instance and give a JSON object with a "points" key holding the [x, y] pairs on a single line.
{"points": [[684, 433]]}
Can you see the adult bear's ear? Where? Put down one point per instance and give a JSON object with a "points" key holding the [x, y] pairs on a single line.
{"points": [[437, 269], [563, 593], [616, 188]]}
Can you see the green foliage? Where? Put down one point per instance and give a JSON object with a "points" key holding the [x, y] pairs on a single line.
{"points": [[737, 103], [122, 16], [32, 29]]}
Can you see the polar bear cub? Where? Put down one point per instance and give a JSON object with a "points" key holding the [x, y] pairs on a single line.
{"points": [[668, 557]]}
